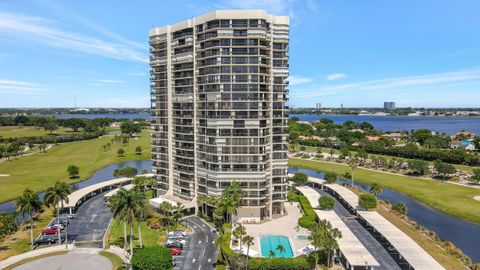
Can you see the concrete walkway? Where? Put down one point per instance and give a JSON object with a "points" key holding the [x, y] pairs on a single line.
{"points": [[370, 243], [77, 259]]}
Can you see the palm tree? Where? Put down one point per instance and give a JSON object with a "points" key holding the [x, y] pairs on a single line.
{"points": [[55, 196], [271, 254], [125, 206], [230, 200], [331, 243], [353, 163], [280, 249], [248, 240], [166, 209], [376, 189], [29, 203], [239, 232]]}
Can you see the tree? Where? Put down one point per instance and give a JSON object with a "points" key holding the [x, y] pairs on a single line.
{"points": [[55, 196], [125, 172], [8, 223], [74, 123], [248, 241], [330, 177], [353, 163], [29, 203], [324, 237], [419, 167], [300, 178], [51, 126], [120, 152], [228, 202], [367, 201], [138, 150], [21, 120], [326, 203], [376, 189], [476, 175], [280, 249], [400, 208], [444, 169], [73, 171], [130, 128], [239, 233], [152, 258], [90, 126], [125, 206]]}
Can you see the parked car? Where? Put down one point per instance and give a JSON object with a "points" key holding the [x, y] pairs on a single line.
{"points": [[50, 231], [175, 251], [179, 240], [174, 245], [69, 216], [45, 240], [53, 226], [177, 233]]}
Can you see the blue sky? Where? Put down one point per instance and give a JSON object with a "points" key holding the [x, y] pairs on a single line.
{"points": [[359, 53]]}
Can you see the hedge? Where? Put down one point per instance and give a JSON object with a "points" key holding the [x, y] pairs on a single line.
{"points": [[152, 258], [300, 263], [308, 220], [52, 139]]}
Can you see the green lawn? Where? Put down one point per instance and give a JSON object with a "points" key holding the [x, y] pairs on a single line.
{"points": [[20, 131], [454, 200], [116, 261], [42, 170], [150, 237]]}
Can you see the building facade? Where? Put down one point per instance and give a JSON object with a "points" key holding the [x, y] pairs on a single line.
{"points": [[389, 105], [218, 93]]}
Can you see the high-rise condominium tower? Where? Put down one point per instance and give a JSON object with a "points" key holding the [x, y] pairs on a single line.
{"points": [[218, 89]]}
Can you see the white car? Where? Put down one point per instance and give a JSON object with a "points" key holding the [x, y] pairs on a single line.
{"points": [[170, 240], [177, 233]]}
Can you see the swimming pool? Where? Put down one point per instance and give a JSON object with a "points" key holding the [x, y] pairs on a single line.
{"points": [[302, 237], [271, 242]]}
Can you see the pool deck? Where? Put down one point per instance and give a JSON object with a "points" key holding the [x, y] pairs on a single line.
{"points": [[286, 225]]}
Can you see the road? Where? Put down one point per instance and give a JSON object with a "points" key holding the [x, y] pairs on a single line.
{"points": [[199, 253], [90, 223], [371, 244], [75, 260]]}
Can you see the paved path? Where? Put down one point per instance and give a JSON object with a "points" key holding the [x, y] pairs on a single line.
{"points": [[199, 253], [372, 245], [74, 260], [90, 223]]}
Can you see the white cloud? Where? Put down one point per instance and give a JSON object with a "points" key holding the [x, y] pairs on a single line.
{"points": [[110, 81], [20, 87], [335, 76], [397, 83], [296, 80], [47, 32], [139, 102]]}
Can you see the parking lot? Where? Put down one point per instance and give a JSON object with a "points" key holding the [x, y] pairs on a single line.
{"points": [[199, 251]]}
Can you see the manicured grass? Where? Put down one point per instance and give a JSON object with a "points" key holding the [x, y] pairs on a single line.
{"points": [[116, 261], [451, 199], [21, 131], [19, 242], [150, 237], [42, 170]]}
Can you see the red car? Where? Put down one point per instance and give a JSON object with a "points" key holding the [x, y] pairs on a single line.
{"points": [[50, 231], [175, 251]]}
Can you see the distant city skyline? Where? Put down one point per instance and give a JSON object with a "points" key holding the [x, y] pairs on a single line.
{"points": [[346, 52]]}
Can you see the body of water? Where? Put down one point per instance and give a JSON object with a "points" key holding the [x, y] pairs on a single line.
{"points": [[463, 234], [449, 125], [99, 176], [130, 116]]}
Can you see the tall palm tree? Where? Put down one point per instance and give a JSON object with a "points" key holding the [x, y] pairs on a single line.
{"points": [[248, 240], [331, 242], [29, 203], [230, 200], [55, 196], [125, 206], [280, 249], [376, 189], [239, 232], [167, 210], [353, 163]]}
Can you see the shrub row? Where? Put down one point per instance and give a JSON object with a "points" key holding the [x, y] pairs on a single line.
{"points": [[52, 139], [308, 220]]}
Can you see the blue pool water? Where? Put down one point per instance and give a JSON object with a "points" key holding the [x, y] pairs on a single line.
{"points": [[271, 242]]}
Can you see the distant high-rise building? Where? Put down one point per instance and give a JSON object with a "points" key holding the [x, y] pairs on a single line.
{"points": [[318, 105], [389, 105], [341, 105], [219, 91]]}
